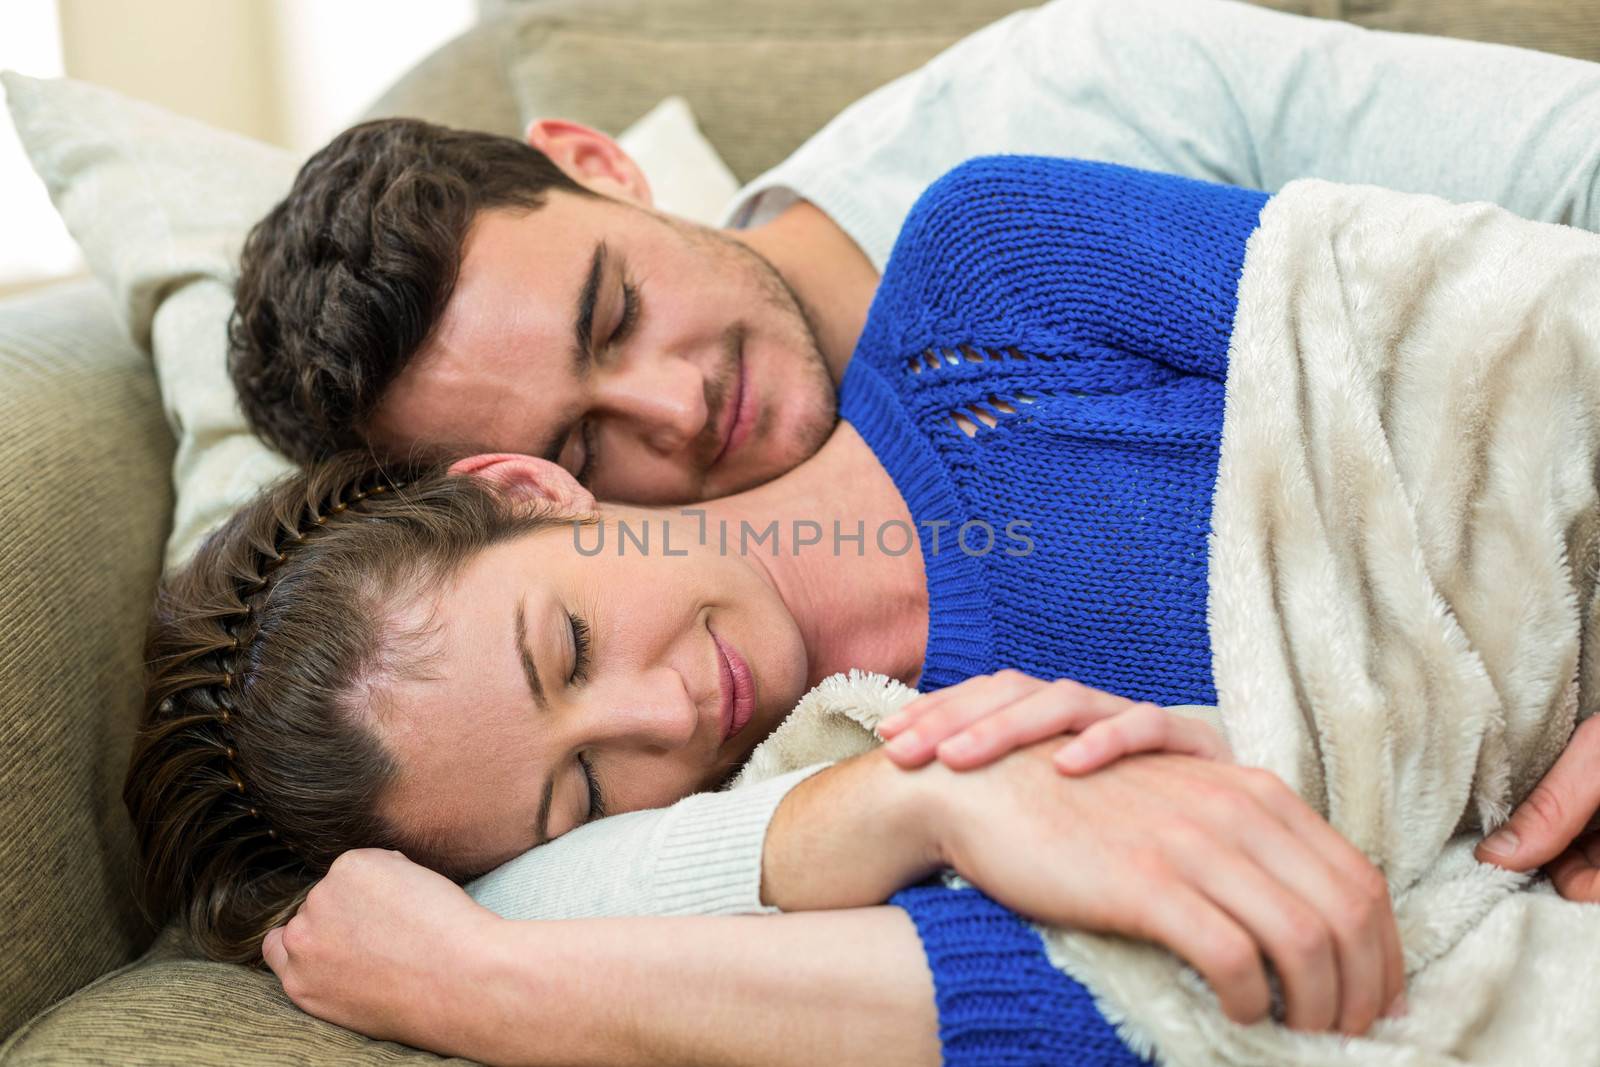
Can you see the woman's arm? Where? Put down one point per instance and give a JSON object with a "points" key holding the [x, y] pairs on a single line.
{"points": [[745, 851]]}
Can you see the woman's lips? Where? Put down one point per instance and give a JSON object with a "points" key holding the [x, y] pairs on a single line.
{"points": [[738, 688]]}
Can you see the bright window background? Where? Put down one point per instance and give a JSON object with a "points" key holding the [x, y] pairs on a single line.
{"points": [[290, 72], [33, 242]]}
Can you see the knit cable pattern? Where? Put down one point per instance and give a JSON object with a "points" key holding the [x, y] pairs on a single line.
{"points": [[1084, 310]]}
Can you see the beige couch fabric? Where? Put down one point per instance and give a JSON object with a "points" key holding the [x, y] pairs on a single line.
{"points": [[761, 77], [84, 506], [160, 205], [170, 1008]]}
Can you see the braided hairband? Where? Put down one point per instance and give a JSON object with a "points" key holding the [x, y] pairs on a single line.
{"points": [[232, 674]]}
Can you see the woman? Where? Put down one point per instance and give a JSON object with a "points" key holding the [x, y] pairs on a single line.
{"points": [[445, 663]]}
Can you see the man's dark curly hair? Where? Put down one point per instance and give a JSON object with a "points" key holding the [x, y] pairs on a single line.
{"points": [[342, 282]]}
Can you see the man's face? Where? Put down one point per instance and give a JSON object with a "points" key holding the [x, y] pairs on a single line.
{"points": [[658, 361]]}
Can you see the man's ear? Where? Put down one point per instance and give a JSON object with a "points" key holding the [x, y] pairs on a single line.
{"points": [[530, 478], [591, 159]]}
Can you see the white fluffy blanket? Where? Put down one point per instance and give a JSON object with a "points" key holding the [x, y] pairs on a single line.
{"points": [[1405, 548]]}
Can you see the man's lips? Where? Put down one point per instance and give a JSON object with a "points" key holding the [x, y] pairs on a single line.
{"points": [[736, 423], [737, 688]]}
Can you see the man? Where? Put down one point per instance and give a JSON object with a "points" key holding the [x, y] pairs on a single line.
{"points": [[403, 296], [499, 328], [663, 362]]}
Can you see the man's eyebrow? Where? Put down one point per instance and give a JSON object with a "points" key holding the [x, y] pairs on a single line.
{"points": [[582, 334], [530, 670], [583, 324]]}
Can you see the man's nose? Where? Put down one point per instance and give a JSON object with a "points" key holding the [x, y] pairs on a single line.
{"points": [[662, 401]]}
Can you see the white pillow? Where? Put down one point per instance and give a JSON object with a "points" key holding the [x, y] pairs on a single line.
{"points": [[687, 177], [161, 204]]}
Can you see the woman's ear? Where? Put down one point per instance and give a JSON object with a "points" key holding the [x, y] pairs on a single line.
{"points": [[530, 478], [591, 159]]}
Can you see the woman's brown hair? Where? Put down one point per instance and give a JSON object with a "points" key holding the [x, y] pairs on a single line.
{"points": [[256, 763]]}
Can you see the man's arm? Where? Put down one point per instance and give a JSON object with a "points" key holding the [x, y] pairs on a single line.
{"points": [[1226, 92], [847, 987], [397, 952], [1548, 828], [1285, 97], [1221, 864]]}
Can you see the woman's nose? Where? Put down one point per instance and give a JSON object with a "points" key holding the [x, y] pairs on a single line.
{"points": [[655, 710]]}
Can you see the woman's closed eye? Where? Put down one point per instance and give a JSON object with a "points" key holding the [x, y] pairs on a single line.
{"points": [[582, 654], [597, 803], [580, 650]]}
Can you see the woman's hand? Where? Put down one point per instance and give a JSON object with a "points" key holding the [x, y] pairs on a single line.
{"points": [[1223, 865], [978, 721], [379, 946]]}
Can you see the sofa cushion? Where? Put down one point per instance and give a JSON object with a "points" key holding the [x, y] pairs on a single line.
{"points": [[160, 205], [84, 505], [1557, 26], [463, 83], [761, 77], [171, 1008]]}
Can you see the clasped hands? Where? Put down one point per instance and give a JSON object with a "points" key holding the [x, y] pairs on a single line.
{"points": [[1221, 864], [978, 721]]}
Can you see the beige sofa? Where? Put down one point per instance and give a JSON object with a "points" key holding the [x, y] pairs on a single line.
{"points": [[85, 498]]}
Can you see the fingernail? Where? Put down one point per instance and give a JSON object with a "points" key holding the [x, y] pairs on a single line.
{"points": [[1502, 844], [960, 745], [1398, 1008], [893, 722], [1070, 757], [905, 744]]}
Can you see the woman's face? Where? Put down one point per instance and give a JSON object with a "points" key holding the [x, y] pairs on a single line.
{"points": [[551, 666]]}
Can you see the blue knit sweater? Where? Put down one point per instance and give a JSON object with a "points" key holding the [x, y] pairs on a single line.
{"points": [[1085, 310]]}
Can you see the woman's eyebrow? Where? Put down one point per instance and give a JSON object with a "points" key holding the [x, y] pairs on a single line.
{"points": [[530, 670]]}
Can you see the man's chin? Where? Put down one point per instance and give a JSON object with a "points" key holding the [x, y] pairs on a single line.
{"points": [[773, 463]]}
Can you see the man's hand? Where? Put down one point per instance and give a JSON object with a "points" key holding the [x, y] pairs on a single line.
{"points": [[1223, 865], [394, 951], [1547, 830], [977, 721], [376, 947]]}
